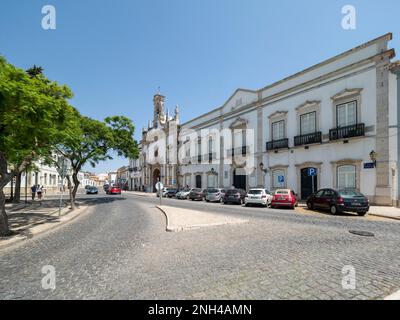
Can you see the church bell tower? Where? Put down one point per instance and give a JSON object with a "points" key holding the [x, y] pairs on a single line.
{"points": [[159, 113]]}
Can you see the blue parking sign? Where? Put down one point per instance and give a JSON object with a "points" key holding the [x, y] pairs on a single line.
{"points": [[281, 179], [312, 172]]}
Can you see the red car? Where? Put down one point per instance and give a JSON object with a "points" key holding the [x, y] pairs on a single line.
{"points": [[284, 198], [114, 190]]}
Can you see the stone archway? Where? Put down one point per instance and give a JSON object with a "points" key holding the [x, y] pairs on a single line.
{"points": [[156, 178]]}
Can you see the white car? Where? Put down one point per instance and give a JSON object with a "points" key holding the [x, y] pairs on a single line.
{"points": [[258, 196], [183, 194]]}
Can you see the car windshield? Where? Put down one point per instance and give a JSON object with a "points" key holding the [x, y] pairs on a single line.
{"points": [[350, 193], [197, 190], [255, 192], [282, 192]]}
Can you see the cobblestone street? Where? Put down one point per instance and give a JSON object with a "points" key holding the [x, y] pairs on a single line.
{"points": [[121, 250]]}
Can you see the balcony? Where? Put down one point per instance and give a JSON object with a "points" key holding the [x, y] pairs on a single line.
{"points": [[277, 144], [311, 138], [356, 130]]}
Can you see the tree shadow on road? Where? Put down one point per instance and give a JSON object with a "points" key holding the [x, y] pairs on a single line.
{"points": [[46, 211]]}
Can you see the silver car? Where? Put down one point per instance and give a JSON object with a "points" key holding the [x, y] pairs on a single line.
{"points": [[215, 195]]}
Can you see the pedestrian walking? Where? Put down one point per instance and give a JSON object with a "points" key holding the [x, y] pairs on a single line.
{"points": [[33, 189], [39, 191]]}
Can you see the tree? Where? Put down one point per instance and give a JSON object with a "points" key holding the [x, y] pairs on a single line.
{"points": [[89, 141], [32, 109]]}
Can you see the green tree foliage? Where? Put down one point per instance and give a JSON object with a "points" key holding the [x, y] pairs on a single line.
{"points": [[32, 109], [89, 141]]}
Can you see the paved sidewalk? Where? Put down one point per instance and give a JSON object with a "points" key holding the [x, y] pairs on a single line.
{"points": [[179, 219], [28, 220], [387, 212]]}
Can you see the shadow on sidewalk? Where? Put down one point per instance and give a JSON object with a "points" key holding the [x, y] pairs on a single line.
{"points": [[46, 211]]}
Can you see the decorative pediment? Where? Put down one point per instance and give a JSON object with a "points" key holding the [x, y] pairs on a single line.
{"points": [[239, 122], [308, 104], [347, 93], [278, 114]]}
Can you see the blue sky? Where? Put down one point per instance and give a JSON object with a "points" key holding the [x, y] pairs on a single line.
{"points": [[115, 54]]}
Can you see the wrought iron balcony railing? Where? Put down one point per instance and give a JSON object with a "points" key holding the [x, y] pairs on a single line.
{"points": [[310, 138], [355, 130], [277, 144]]}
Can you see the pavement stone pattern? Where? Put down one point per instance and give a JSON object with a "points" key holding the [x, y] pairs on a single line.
{"points": [[120, 250], [179, 219]]}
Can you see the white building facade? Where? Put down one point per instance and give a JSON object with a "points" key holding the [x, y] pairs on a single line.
{"points": [[334, 125]]}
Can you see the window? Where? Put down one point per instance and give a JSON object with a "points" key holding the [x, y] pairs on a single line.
{"points": [[210, 145], [239, 138], [278, 130], [199, 147], [278, 179], [187, 150], [346, 114], [346, 177], [211, 181], [308, 123], [319, 194], [329, 193]]}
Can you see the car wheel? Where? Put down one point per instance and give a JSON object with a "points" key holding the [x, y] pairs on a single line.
{"points": [[362, 214], [310, 206], [333, 209]]}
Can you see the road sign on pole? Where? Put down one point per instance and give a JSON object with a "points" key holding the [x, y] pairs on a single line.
{"points": [[159, 187]]}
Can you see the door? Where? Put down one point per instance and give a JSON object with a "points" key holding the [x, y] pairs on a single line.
{"points": [[198, 181], [309, 184], [239, 180], [156, 178], [327, 199], [318, 199]]}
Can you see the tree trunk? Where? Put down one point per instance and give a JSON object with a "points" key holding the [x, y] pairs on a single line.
{"points": [[17, 190], [4, 228], [76, 183], [71, 197]]}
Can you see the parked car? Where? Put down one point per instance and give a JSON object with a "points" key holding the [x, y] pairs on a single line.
{"points": [[163, 192], [215, 195], [114, 190], [236, 196], [183, 194], [197, 194], [92, 190], [258, 196], [171, 193], [284, 198], [106, 187], [87, 186], [337, 201]]}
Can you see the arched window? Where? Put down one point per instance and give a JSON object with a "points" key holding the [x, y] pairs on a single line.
{"points": [[278, 179], [346, 177]]}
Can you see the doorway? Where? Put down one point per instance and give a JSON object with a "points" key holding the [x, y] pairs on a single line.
{"points": [[309, 184], [156, 178], [239, 179], [198, 181]]}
